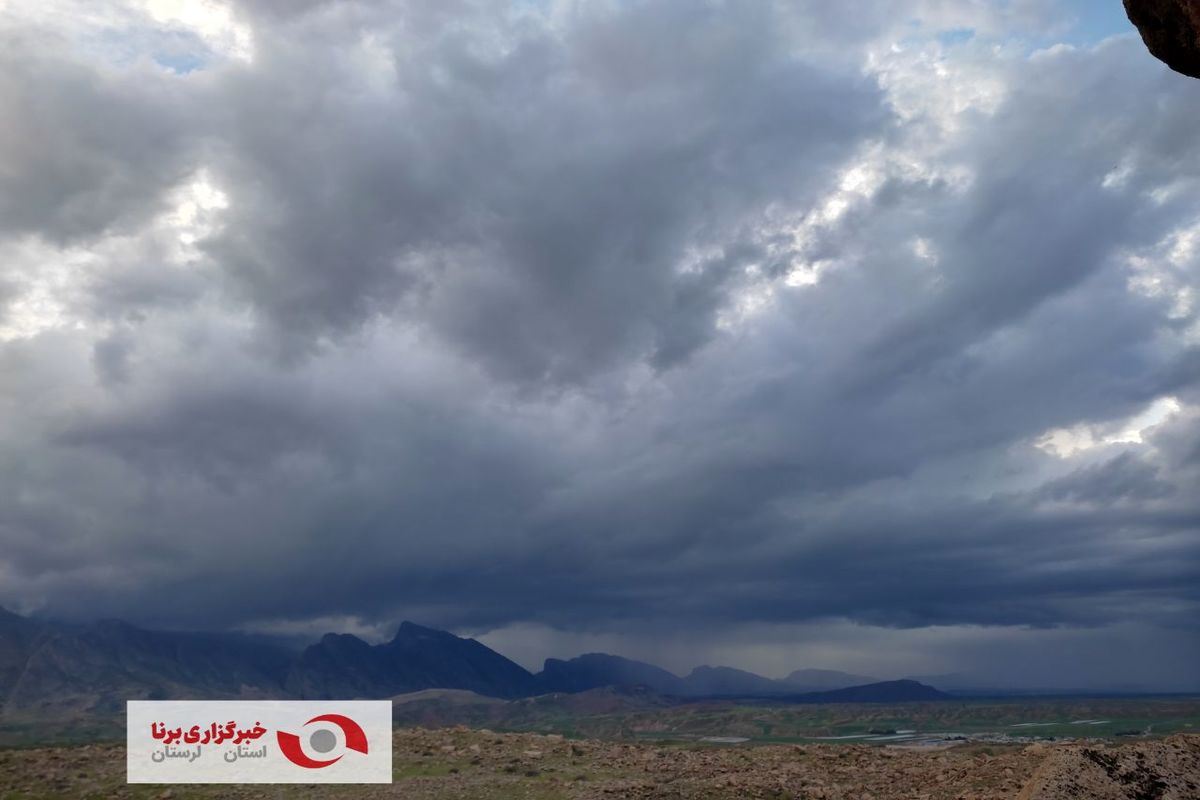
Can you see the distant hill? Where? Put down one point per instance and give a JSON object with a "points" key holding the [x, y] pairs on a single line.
{"points": [[820, 680], [727, 681], [597, 670], [950, 681], [603, 709], [904, 691], [446, 697]]}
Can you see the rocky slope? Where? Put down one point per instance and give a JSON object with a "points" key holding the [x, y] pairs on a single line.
{"points": [[1166, 769], [57, 671], [341, 666], [458, 763]]}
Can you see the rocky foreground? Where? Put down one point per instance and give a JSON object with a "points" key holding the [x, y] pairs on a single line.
{"points": [[460, 763]]}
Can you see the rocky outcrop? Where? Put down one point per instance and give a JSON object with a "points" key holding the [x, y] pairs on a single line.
{"points": [[1164, 769], [1171, 30]]}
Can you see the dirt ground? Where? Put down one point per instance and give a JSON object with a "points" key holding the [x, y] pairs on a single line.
{"points": [[460, 763]]}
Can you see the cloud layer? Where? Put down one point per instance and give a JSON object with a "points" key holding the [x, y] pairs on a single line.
{"points": [[590, 318]]}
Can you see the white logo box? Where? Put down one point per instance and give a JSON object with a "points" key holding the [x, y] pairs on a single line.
{"points": [[259, 741]]}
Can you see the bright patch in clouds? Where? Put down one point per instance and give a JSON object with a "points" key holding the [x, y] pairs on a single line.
{"points": [[1067, 442], [213, 22], [47, 281], [40, 300], [1170, 271], [196, 214], [124, 31]]}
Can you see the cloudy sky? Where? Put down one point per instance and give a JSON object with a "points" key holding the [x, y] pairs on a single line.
{"points": [[774, 334]]}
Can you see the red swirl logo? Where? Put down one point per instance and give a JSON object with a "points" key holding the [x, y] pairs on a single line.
{"points": [[323, 740]]}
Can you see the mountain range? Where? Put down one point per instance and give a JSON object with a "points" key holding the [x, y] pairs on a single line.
{"points": [[594, 670], [55, 671]]}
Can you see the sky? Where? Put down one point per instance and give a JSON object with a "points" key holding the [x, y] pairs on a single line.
{"points": [[771, 334]]}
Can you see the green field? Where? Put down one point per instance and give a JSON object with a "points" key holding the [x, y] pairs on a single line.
{"points": [[1018, 720], [1024, 719]]}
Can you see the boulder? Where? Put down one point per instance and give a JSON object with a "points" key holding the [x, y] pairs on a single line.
{"points": [[1171, 30]]}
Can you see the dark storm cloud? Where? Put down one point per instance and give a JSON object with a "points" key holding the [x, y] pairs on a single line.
{"points": [[1121, 478], [531, 205], [481, 316], [1023, 235]]}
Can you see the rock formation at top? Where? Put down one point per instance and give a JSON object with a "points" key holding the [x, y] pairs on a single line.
{"points": [[1171, 29]]}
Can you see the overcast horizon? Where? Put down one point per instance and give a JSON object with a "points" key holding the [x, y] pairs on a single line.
{"points": [[761, 334]]}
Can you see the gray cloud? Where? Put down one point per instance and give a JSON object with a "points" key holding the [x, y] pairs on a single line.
{"points": [[84, 149], [531, 204], [656, 316]]}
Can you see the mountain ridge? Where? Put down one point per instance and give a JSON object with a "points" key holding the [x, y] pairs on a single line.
{"points": [[59, 670]]}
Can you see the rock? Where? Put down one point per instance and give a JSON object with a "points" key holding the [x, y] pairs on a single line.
{"points": [[1171, 31]]}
